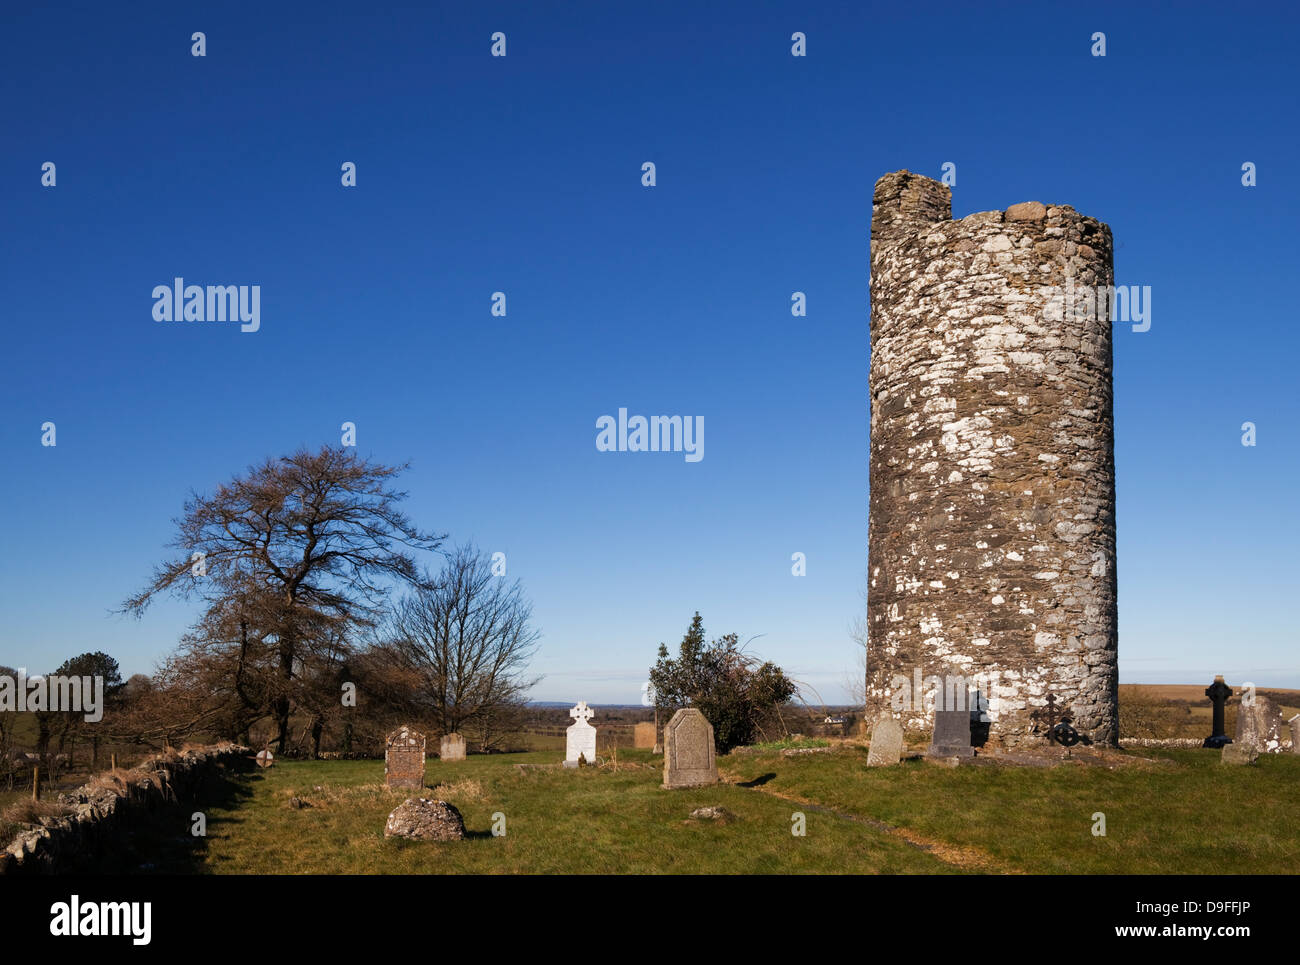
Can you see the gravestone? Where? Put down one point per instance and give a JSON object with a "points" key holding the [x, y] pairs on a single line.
{"points": [[1295, 734], [404, 758], [1259, 725], [452, 747], [580, 738], [643, 735], [264, 758], [689, 755], [1218, 692], [886, 743], [951, 736], [1236, 753]]}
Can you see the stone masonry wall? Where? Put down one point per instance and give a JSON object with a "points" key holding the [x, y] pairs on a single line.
{"points": [[103, 809], [992, 509]]}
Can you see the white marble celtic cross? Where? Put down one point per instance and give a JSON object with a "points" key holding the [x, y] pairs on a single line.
{"points": [[580, 738]]}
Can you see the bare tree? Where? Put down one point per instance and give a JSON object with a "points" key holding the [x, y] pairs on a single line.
{"points": [[186, 697], [463, 643], [234, 647], [290, 554], [7, 749], [320, 682], [855, 681]]}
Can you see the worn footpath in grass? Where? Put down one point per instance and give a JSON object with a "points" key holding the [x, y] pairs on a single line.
{"points": [[590, 820], [1176, 812]]}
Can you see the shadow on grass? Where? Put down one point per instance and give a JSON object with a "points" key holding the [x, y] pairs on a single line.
{"points": [[160, 840], [758, 781]]}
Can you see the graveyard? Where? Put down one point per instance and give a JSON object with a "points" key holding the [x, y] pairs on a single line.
{"points": [[885, 801], [846, 805], [1167, 812]]}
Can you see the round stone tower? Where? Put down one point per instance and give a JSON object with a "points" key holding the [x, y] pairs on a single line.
{"points": [[991, 557]]}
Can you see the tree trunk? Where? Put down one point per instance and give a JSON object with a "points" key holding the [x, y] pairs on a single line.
{"points": [[245, 699], [282, 723], [317, 728], [282, 702], [42, 736]]}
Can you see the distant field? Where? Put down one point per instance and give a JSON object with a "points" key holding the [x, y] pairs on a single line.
{"points": [[1183, 710], [1196, 692]]}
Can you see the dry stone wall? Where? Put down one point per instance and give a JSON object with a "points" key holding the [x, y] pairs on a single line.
{"points": [[992, 506], [104, 808]]}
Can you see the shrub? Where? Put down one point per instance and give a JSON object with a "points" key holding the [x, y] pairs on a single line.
{"points": [[739, 695], [1144, 714]]}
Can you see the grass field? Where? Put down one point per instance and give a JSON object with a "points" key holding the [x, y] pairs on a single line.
{"points": [[584, 821], [1166, 812]]}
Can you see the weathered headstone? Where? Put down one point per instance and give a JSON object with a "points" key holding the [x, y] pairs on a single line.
{"points": [[1259, 725], [580, 738], [689, 756], [425, 820], [1235, 753], [1218, 692], [643, 734], [951, 736], [886, 743], [452, 747], [404, 758], [1295, 734]]}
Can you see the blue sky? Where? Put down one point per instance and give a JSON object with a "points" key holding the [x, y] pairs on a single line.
{"points": [[522, 174]]}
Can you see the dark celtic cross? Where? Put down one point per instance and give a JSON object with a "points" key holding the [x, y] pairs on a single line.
{"points": [[1218, 692], [1064, 733], [1045, 717], [1056, 722]]}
